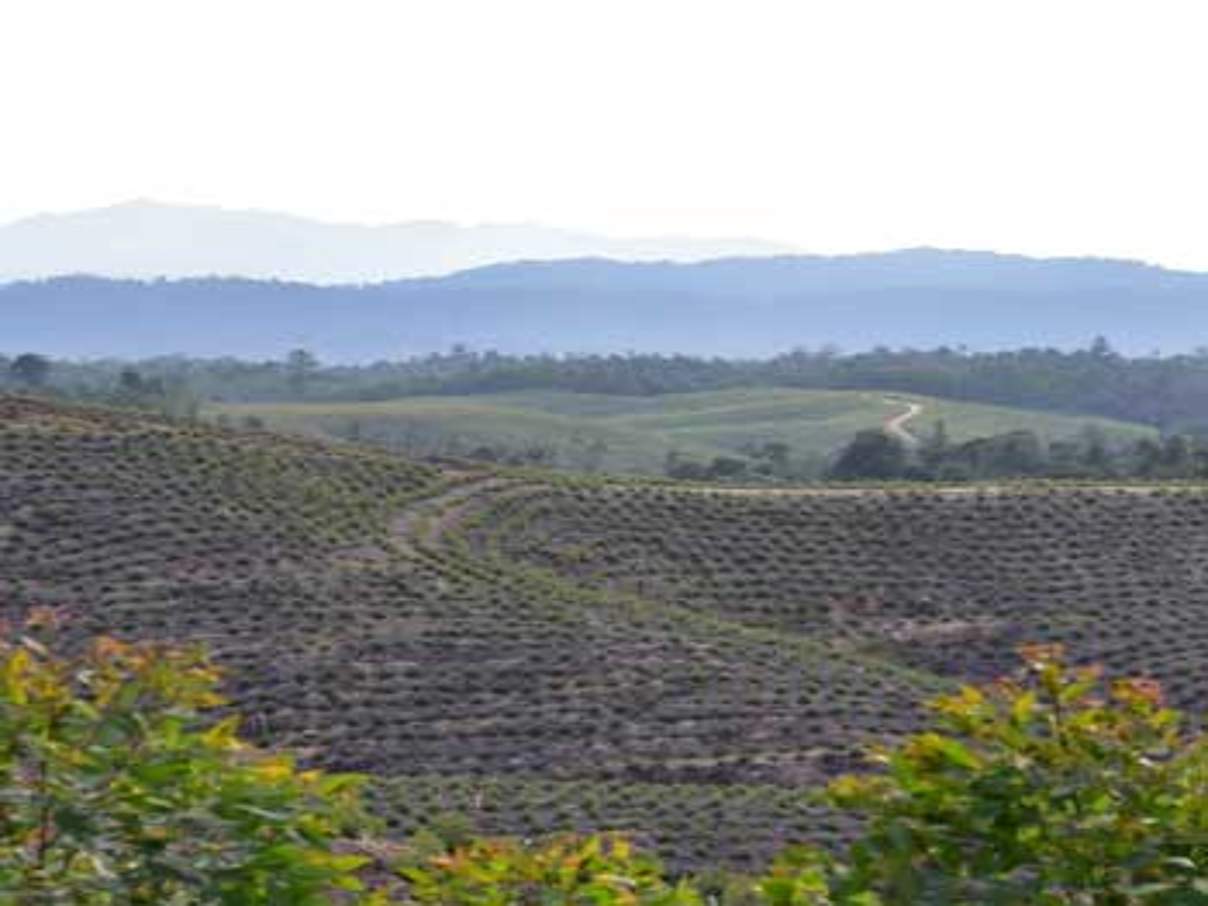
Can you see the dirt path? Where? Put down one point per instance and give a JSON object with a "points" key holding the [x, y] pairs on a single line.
{"points": [[896, 426], [424, 522], [427, 519]]}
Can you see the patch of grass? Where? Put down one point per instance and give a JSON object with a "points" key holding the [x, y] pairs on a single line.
{"points": [[639, 432]]}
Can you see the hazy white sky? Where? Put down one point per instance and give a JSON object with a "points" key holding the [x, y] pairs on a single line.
{"points": [[1041, 126]]}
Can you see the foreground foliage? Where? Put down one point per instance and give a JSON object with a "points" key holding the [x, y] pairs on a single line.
{"points": [[1054, 786], [599, 870], [113, 791]]}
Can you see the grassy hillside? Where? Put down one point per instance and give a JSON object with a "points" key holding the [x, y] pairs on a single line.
{"points": [[561, 653], [639, 432]]}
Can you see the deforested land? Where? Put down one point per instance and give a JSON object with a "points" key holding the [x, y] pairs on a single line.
{"points": [[534, 650]]}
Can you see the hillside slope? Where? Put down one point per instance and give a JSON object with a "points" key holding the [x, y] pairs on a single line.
{"points": [[538, 653], [364, 629], [946, 580], [636, 434]]}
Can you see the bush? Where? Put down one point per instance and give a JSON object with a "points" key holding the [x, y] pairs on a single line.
{"points": [[115, 791], [871, 454], [600, 870], [1052, 787]]}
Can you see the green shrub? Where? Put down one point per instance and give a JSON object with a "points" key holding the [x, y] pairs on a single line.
{"points": [[115, 791], [1052, 787], [565, 871]]}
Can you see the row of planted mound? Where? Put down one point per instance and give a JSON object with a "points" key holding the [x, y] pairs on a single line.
{"points": [[945, 581], [143, 528], [453, 672], [366, 629], [91, 499]]}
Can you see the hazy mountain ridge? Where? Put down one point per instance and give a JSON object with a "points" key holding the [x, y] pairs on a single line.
{"points": [[739, 307], [145, 239]]}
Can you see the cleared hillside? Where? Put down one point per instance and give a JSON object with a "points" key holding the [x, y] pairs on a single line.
{"points": [[947, 581], [637, 433], [362, 632], [555, 653]]}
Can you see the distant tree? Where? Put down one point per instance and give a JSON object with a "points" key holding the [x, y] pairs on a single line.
{"points": [[1147, 458], [935, 447], [1065, 459], [871, 454], [1095, 456], [30, 369], [1016, 453], [1100, 348], [676, 465], [727, 467], [772, 457], [300, 367], [130, 381], [1177, 456]]}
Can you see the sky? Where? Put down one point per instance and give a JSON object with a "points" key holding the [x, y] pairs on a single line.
{"points": [[1051, 127]]}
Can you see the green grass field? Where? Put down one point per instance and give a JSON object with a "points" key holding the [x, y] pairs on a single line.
{"points": [[639, 432]]}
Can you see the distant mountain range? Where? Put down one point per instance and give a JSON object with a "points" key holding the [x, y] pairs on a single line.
{"points": [[144, 239], [736, 307]]}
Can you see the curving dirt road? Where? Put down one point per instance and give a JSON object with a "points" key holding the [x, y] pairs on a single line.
{"points": [[896, 426]]}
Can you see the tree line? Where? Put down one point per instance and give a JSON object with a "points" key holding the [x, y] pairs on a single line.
{"points": [[877, 455], [1169, 392]]}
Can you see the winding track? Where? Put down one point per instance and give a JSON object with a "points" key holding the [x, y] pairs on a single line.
{"points": [[896, 426]]}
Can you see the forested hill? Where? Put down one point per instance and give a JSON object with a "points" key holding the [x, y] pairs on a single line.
{"points": [[731, 307]]}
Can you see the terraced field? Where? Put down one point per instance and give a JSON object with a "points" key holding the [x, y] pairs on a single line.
{"points": [[547, 653]]}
